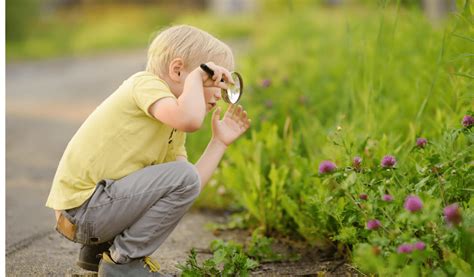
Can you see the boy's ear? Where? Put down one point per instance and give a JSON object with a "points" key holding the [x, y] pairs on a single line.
{"points": [[176, 69]]}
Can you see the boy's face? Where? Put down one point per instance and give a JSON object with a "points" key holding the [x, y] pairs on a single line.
{"points": [[211, 96]]}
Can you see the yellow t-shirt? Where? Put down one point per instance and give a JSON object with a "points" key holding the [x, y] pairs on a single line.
{"points": [[117, 139]]}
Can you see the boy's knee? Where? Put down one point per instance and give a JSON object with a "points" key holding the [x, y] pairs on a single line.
{"points": [[190, 175]]}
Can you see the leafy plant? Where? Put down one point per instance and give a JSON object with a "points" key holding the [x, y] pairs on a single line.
{"points": [[228, 259]]}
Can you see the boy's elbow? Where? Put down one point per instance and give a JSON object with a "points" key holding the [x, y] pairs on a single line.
{"points": [[192, 125]]}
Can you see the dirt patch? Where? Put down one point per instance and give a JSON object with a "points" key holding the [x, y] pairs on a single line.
{"points": [[311, 262]]}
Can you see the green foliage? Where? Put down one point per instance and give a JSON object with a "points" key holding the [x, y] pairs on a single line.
{"points": [[231, 259], [228, 259], [260, 248], [367, 85]]}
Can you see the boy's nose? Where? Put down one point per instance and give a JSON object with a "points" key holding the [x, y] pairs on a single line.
{"points": [[218, 95]]}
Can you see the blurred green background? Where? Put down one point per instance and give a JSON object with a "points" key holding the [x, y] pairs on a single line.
{"points": [[40, 29]]}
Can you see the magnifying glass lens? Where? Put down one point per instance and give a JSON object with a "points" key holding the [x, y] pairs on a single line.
{"points": [[233, 93]]}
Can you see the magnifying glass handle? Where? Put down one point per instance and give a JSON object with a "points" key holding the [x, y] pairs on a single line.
{"points": [[209, 71], [206, 69]]}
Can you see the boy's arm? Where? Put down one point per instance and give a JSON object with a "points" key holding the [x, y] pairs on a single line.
{"points": [[224, 132], [209, 160], [185, 113], [188, 111]]}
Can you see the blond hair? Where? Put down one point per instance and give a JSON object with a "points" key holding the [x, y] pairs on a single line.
{"points": [[191, 44]]}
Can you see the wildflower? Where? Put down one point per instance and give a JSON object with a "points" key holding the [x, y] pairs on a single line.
{"points": [[387, 198], [266, 83], [413, 203], [373, 224], [356, 162], [421, 142], [419, 245], [326, 167], [405, 248], [363, 196], [452, 214], [388, 161], [467, 121], [269, 103]]}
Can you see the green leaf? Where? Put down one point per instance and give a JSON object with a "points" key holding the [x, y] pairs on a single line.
{"points": [[457, 262], [349, 181]]}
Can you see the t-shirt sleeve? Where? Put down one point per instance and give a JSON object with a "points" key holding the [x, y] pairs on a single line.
{"points": [[147, 90], [177, 147]]}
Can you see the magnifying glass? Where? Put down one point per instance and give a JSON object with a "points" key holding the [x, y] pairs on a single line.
{"points": [[234, 91]]}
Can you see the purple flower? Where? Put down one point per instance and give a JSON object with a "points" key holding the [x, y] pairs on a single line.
{"points": [[363, 196], [467, 121], [266, 83], [405, 248], [421, 142], [413, 203], [419, 245], [452, 214], [387, 198], [373, 224], [388, 161], [326, 167], [356, 162], [269, 104]]}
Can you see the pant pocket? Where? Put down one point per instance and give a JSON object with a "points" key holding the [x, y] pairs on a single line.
{"points": [[85, 234], [66, 227]]}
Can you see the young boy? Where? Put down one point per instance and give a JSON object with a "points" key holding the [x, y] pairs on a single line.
{"points": [[124, 181]]}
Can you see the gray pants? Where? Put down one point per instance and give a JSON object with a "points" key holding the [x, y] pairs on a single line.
{"points": [[137, 212]]}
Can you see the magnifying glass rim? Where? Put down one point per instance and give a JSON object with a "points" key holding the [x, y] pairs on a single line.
{"points": [[225, 94]]}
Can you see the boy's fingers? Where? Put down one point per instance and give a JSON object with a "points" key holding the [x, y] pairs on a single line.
{"points": [[216, 115], [246, 120], [244, 115], [235, 110], [223, 85], [230, 110], [228, 77], [237, 113], [217, 80]]}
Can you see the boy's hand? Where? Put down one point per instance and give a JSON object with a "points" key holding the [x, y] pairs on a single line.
{"points": [[232, 126], [220, 73]]}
